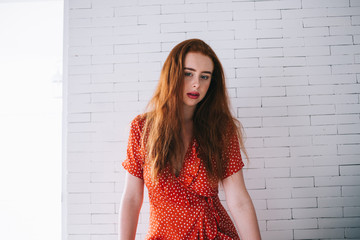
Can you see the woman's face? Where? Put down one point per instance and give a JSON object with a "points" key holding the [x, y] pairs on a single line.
{"points": [[198, 70]]}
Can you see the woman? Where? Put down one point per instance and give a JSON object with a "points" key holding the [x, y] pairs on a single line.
{"points": [[181, 149]]}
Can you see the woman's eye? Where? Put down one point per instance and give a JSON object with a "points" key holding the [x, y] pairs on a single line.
{"points": [[188, 74], [205, 77]]}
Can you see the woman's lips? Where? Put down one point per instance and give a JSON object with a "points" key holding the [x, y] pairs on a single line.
{"points": [[193, 95]]}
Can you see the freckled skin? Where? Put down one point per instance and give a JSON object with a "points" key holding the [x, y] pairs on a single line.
{"points": [[198, 69]]}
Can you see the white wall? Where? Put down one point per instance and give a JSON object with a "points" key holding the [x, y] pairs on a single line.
{"points": [[293, 72]]}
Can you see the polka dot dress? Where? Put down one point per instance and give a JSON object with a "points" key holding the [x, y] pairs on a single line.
{"points": [[187, 206]]}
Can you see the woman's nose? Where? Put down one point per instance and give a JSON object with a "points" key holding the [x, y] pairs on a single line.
{"points": [[196, 81]]}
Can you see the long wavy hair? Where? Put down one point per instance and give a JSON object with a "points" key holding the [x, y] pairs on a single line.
{"points": [[212, 117]]}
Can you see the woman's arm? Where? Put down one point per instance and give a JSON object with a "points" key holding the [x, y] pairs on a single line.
{"points": [[130, 206], [241, 206]]}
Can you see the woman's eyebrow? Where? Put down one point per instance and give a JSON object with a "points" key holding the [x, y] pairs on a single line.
{"points": [[191, 69]]}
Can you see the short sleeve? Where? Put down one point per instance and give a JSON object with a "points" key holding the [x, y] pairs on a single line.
{"points": [[232, 155], [134, 160]]}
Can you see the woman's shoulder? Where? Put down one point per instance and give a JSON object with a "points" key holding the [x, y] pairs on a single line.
{"points": [[139, 121]]}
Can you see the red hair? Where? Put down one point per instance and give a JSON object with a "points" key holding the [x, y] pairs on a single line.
{"points": [[212, 117]]}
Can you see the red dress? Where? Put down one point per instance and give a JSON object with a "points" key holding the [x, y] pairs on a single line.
{"points": [[187, 206]]}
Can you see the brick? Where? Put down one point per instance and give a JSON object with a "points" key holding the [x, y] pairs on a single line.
{"points": [[316, 192], [78, 177], [273, 214], [233, 45], [330, 60], [104, 177], [347, 108], [91, 229], [327, 150], [79, 237], [287, 141], [291, 224], [337, 139], [352, 232], [214, 35], [336, 223], [303, 13], [338, 201], [349, 149], [79, 219], [186, 8], [346, 88], [258, 14], [79, 4], [314, 32], [182, 27], [104, 218], [163, 18], [79, 117], [78, 198], [157, 2], [271, 152], [291, 203], [334, 119], [280, 42], [328, 21], [328, 40], [350, 191], [350, 169], [314, 171], [311, 110], [342, 69], [108, 198], [256, 92], [349, 128], [345, 49], [307, 51], [269, 23], [309, 90], [262, 112], [348, 99], [325, 3], [318, 233], [278, 4], [344, 30], [351, 212], [280, 234], [90, 50], [137, 10], [251, 102], [284, 81], [337, 181], [282, 61], [289, 182], [240, 25], [234, 6], [270, 172], [286, 101], [308, 70], [355, 20], [259, 72], [258, 33], [207, 17], [307, 213], [346, 11], [103, 237]]}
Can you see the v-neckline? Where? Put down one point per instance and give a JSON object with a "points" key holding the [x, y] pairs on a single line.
{"points": [[188, 149]]}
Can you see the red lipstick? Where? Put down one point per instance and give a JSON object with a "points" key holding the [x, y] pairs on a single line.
{"points": [[193, 95]]}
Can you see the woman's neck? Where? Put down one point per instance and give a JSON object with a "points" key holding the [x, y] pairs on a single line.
{"points": [[188, 114]]}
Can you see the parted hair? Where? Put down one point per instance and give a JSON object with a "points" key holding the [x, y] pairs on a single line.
{"points": [[212, 118]]}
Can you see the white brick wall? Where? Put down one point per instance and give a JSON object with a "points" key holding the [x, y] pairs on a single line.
{"points": [[293, 69]]}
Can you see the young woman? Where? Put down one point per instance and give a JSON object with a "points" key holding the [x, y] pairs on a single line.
{"points": [[181, 149]]}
